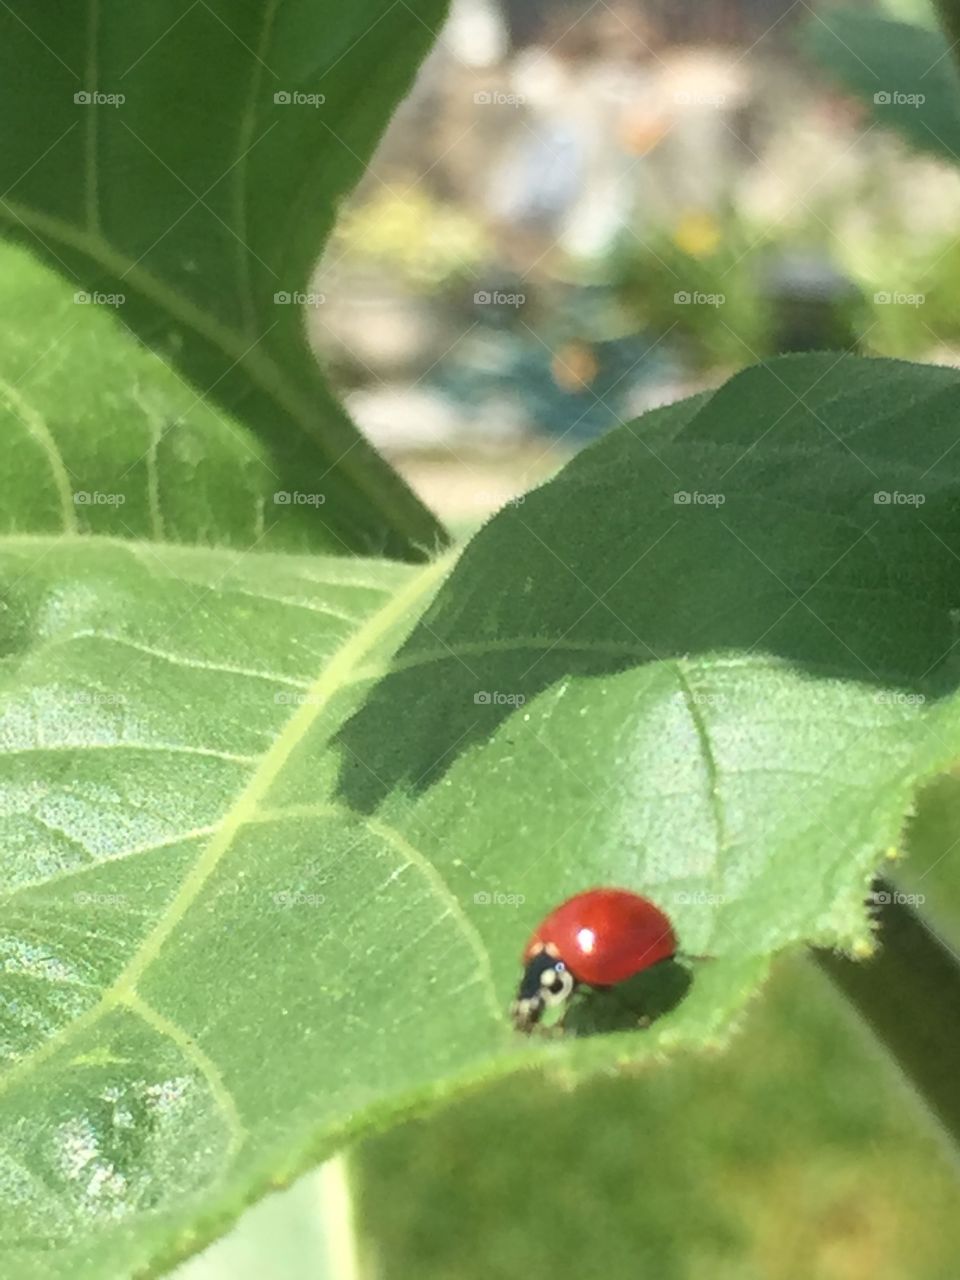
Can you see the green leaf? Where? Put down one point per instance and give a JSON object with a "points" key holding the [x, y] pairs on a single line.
{"points": [[104, 437], [731, 630], [931, 869], [146, 156], [906, 74], [154, 699], [269, 857]]}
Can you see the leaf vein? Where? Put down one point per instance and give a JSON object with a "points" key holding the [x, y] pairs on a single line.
{"points": [[34, 422], [712, 771], [95, 863], [333, 676], [224, 1099], [180, 660], [161, 748], [443, 891]]}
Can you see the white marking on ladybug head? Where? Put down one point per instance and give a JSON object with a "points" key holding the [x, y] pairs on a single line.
{"points": [[556, 984], [546, 981]]}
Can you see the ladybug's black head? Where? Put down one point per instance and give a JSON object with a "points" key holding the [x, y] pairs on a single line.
{"points": [[546, 981]]}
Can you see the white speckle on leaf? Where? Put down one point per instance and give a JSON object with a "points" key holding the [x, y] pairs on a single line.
{"points": [[83, 1162], [167, 1093]]}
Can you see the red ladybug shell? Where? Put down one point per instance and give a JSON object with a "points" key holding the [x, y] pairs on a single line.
{"points": [[604, 936]]}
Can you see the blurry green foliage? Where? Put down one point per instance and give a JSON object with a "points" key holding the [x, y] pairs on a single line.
{"points": [[796, 1155]]}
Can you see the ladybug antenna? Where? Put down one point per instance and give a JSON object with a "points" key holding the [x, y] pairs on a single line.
{"points": [[546, 981]]}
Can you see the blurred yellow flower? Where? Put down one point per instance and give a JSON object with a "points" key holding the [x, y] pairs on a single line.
{"points": [[697, 234], [423, 239]]}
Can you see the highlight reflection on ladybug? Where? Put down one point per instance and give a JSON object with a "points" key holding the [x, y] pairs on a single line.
{"points": [[597, 938]]}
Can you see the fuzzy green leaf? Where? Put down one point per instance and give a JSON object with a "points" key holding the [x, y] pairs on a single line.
{"points": [[181, 164], [105, 437], [905, 74], [275, 828]]}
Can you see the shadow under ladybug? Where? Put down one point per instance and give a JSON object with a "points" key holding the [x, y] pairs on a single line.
{"points": [[606, 960], [629, 1006]]}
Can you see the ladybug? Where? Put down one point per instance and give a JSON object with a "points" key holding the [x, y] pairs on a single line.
{"points": [[597, 938]]}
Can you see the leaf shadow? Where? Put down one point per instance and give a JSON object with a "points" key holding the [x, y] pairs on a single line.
{"points": [[787, 520]]}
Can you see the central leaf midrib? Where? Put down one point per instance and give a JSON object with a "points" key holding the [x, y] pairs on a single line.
{"points": [[334, 676]]}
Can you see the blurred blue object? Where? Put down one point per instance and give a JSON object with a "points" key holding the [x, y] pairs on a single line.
{"points": [[559, 364]]}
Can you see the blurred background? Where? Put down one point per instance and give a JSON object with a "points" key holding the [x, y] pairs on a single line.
{"points": [[584, 210]]}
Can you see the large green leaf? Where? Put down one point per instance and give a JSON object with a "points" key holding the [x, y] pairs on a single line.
{"points": [[104, 437], [704, 618], [269, 855], [907, 74], [204, 195]]}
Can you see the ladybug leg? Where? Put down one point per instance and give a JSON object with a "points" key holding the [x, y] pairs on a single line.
{"points": [[553, 1032]]}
